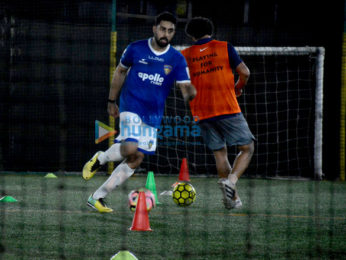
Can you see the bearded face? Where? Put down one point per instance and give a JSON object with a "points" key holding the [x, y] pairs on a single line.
{"points": [[162, 42], [163, 33]]}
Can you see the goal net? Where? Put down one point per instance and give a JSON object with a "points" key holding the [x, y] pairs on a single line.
{"points": [[283, 105]]}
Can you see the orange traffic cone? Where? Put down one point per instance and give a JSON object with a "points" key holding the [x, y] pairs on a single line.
{"points": [[184, 171], [140, 221]]}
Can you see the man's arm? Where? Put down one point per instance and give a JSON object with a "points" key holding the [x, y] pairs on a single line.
{"points": [[117, 82], [188, 91], [244, 74]]}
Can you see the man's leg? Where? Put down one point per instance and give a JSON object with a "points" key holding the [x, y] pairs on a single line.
{"points": [[120, 174], [224, 170], [228, 184], [112, 154], [241, 162], [223, 166]]}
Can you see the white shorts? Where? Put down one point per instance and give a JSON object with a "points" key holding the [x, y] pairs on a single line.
{"points": [[132, 129]]}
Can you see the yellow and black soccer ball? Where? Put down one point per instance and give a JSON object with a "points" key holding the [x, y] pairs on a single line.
{"points": [[184, 194]]}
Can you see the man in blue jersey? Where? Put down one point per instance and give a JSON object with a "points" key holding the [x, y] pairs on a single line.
{"points": [[144, 77]]}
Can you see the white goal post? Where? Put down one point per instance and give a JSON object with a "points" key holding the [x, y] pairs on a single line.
{"points": [[319, 52]]}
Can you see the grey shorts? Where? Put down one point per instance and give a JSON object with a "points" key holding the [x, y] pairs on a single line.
{"points": [[232, 130]]}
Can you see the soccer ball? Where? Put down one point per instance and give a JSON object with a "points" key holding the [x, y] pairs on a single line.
{"points": [[149, 197], [184, 194]]}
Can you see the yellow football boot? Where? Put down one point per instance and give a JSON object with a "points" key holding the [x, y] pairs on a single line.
{"points": [[91, 167], [98, 205]]}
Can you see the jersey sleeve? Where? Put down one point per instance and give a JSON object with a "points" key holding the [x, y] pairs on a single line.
{"points": [[126, 58], [234, 59], [182, 71]]}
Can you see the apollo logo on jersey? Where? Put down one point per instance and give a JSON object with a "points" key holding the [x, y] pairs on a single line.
{"points": [[154, 79]]}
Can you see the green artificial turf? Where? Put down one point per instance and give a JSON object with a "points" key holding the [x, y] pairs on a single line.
{"points": [[280, 219]]}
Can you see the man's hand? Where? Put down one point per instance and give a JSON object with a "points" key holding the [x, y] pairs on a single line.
{"points": [[244, 74], [238, 92], [188, 91], [113, 109]]}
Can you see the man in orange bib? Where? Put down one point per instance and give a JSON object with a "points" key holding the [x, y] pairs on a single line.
{"points": [[211, 64]]}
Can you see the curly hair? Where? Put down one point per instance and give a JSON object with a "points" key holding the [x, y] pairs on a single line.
{"points": [[197, 27]]}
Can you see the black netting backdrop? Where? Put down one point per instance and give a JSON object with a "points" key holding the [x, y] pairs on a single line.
{"points": [[56, 78]]}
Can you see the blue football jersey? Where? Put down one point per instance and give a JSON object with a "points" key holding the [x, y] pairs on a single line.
{"points": [[150, 77]]}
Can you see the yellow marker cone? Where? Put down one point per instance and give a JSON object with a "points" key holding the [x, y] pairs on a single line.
{"points": [[124, 255], [51, 175]]}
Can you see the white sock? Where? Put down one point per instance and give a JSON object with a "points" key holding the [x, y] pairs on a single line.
{"points": [[111, 155], [120, 174]]}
